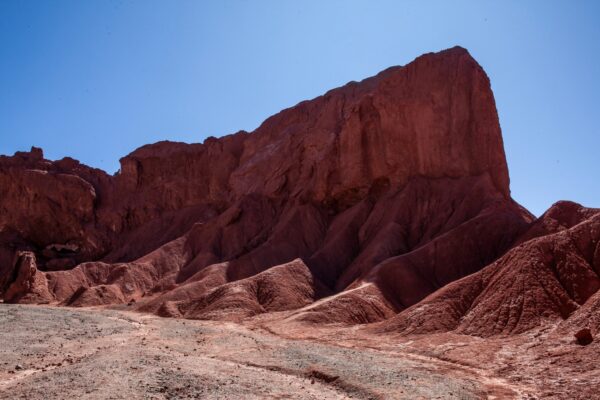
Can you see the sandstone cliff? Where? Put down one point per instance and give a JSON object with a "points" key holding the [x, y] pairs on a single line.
{"points": [[352, 206]]}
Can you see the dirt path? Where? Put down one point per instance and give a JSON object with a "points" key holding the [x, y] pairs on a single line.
{"points": [[59, 353]]}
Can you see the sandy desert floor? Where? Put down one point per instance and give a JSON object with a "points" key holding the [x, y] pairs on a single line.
{"points": [[61, 353]]}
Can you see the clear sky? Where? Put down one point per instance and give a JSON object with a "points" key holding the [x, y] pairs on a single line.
{"points": [[96, 79]]}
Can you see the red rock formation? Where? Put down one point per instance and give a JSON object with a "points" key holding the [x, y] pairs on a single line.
{"points": [[385, 190], [30, 285], [280, 288], [548, 280]]}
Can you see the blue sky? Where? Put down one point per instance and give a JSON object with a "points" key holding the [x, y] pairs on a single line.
{"points": [[96, 79]]}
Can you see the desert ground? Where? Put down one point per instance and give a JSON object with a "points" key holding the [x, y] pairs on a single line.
{"points": [[60, 353]]}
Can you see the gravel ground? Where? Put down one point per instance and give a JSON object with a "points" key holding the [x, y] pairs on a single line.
{"points": [[61, 353]]}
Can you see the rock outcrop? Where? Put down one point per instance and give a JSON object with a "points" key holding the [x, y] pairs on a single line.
{"points": [[377, 193], [552, 279], [29, 284]]}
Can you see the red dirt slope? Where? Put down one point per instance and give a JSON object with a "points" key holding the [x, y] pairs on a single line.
{"points": [[550, 279]]}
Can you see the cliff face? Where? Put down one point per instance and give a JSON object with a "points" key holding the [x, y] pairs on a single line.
{"points": [[435, 118], [383, 190]]}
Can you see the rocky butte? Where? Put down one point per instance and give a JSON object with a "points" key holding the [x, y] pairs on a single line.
{"points": [[382, 205]]}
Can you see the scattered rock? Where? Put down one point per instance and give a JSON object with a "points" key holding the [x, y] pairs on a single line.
{"points": [[584, 337], [322, 376]]}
